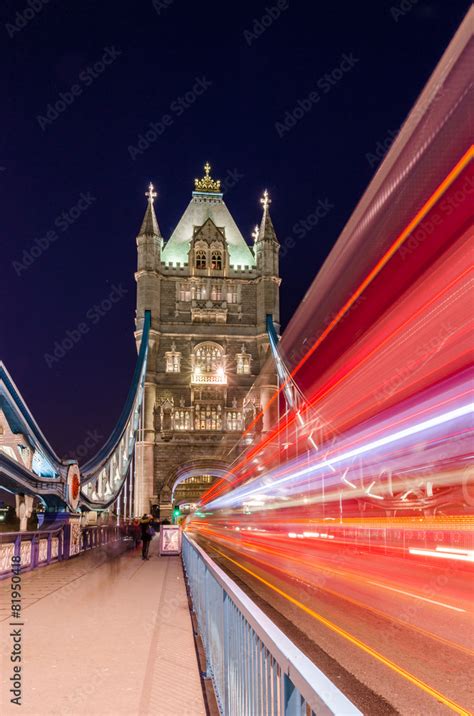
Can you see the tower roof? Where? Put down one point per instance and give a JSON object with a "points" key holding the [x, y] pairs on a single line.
{"points": [[149, 225], [266, 232], [207, 203]]}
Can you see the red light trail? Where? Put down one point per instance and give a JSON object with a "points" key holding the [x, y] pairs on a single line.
{"points": [[355, 510]]}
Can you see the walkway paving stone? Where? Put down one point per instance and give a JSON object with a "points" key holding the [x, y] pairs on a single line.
{"points": [[104, 636]]}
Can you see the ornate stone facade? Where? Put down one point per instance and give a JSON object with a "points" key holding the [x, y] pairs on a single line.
{"points": [[209, 293]]}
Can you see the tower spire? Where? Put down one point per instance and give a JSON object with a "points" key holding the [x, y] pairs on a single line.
{"points": [[149, 225], [266, 231]]}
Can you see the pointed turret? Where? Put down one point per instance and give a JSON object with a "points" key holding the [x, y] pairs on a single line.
{"points": [[266, 248], [266, 245], [266, 231], [149, 245], [149, 225]]}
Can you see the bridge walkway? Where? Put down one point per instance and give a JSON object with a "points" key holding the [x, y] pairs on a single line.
{"points": [[104, 634]]}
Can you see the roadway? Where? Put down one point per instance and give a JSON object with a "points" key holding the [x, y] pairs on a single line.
{"points": [[395, 635]]}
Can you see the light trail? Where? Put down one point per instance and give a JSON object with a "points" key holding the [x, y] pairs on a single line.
{"points": [[241, 493], [320, 395], [466, 557], [321, 569], [417, 596], [452, 705], [428, 205], [365, 483]]}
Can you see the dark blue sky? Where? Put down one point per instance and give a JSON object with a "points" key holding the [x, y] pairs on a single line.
{"points": [[73, 174]]}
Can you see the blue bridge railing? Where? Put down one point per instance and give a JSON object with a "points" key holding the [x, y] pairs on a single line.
{"points": [[254, 667]]}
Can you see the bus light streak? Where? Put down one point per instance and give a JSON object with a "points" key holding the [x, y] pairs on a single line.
{"points": [[358, 487]]}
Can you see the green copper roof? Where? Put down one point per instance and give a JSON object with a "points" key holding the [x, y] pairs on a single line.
{"points": [[202, 207]]}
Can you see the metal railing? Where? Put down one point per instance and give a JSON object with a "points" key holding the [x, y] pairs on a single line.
{"points": [[39, 548], [34, 548], [254, 667]]}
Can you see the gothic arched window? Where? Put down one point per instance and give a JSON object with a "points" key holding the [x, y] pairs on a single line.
{"points": [[208, 356], [201, 259], [216, 260], [243, 361], [208, 362]]}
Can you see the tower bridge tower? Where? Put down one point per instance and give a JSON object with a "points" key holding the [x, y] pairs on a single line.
{"points": [[209, 293]]}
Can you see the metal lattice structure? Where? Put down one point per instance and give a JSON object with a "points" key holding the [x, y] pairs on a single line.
{"points": [[30, 466]]}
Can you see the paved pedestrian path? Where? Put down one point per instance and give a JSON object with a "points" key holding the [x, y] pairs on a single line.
{"points": [[103, 634]]}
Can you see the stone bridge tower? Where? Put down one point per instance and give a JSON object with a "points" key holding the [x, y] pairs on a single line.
{"points": [[208, 292]]}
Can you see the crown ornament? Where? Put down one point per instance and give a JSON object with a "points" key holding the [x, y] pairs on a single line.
{"points": [[207, 183]]}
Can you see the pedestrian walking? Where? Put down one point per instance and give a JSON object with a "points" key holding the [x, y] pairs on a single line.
{"points": [[147, 533], [136, 532]]}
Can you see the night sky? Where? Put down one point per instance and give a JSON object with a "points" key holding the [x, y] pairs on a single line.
{"points": [[220, 82]]}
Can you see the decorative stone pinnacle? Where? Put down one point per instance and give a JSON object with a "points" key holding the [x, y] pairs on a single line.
{"points": [[151, 193], [255, 233], [207, 184], [265, 200]]}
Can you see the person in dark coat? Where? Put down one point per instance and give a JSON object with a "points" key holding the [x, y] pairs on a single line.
{"points": [[136, 532], [146, 534]]}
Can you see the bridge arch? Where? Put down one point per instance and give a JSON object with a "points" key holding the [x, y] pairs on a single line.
{"points": [[196, 469]]}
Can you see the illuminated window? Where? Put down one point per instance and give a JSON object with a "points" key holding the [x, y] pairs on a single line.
{"points": [[184, 292], [201, 259], [231, 294], [182, 419], [216, 293], [201, 293], [208, 357], [243, 361], [216, 260], [234, 421], [197, 480], [208, 364], [173, 360], [208, 417]]}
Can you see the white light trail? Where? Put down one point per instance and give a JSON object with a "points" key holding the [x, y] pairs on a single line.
{"points": [[363, 449], [417, 596], [456, 550], [466, 557], [346, 481]]}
